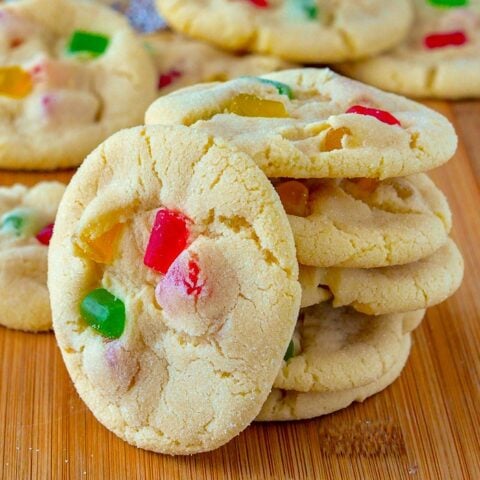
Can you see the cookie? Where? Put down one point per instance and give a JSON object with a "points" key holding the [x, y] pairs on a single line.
{"points": [[309, 31], [337, 349], [68, 81], [183, 242], [283, 405], [364, 223], [26, 222], [331, 127], [182, 62], [440, 58], [379, 291]]}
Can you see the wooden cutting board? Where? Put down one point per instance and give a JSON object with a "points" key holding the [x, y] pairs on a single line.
{"points": [[425, 426]]}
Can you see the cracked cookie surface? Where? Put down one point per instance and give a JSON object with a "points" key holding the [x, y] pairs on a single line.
{"points": [[207, 318], [365, 223], [68, 81], [379, 291], [284, 405], [440, 58], [26, 218], [339, 349], [182, 61], [311, 31], [313, 123]]}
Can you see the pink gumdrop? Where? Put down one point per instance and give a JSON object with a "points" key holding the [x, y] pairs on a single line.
{"points": [[45, 234], [183, 279], [446, 39], [166, 79], [168, 239], [381, 115]]}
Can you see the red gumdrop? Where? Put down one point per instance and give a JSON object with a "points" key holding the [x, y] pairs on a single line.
{"points": [[260, 3], [441, 40], [45, 234], [381, 115], [168, 78], [168, 239]]}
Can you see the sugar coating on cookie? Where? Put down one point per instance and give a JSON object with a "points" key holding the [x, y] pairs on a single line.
{"points": [[181, 292], [181, 62], [285, 405], [313, 123], [379, 291], [440, 57], [67, 82], [365, 223], [27, 216], [307, 31], [338, 349]]}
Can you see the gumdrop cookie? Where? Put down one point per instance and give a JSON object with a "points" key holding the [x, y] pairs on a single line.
{"points": [[181, 293]]}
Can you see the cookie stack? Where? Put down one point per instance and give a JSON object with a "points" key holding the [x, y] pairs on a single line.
{"points": [[371, 229]]}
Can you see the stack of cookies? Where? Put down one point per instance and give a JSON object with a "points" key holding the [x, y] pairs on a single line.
{"points": [[371, 229]]}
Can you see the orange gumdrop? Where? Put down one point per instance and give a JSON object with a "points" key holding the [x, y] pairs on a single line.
{"points": [[334, 137], [367, 184], [102, 249], [15, 82], [294, 197], [247, 105]]}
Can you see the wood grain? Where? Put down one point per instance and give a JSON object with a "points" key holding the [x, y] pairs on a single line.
{"points": [[426, 426]]}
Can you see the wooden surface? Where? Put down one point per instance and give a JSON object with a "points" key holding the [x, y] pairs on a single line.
{"points": [[426, 426]]}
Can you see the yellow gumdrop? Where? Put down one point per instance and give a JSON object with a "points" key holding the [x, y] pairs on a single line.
{"points": [[247, 105], [102, 249], [15, 82]]}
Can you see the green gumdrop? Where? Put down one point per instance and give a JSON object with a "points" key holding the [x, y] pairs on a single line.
{"points": [[310, 8], [104, 312], [283, 88], [87, 43], [20, 222], [449, 3], [290, 351]]}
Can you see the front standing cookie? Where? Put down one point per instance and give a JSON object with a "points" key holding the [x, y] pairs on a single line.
{"points": [[181, 292], [181, 62], [306, 31], [67, 81], [27, 216], [440, 58], [313, 123]]}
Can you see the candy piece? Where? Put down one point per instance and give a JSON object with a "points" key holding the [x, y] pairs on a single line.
{"points": [[449, 3], [56, 74], [104, 312], [302, 9], [260, 3], [310, 9], [334, 137], [294, 197], [168, 78], [283, 88], [20, 222], [381, 115], [167, 240], [15, 82], [103, 248], [441, 40], [45, 234], [290, 351], [183, 278], [251, 106], [369, 185], [92, 44]]}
